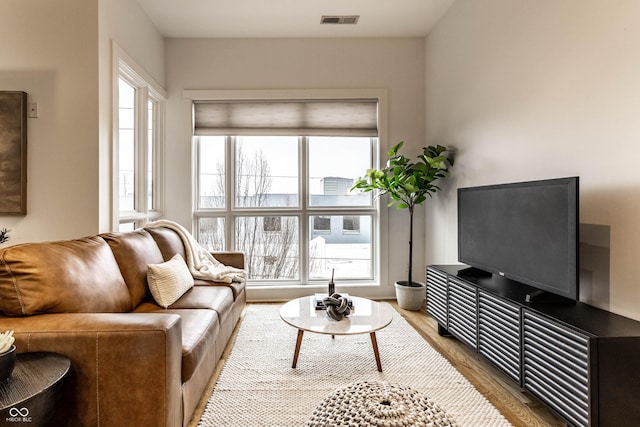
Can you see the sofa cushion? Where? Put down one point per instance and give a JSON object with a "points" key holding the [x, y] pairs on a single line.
{"points": [[168, 241], [134, 251], [200, 330], [213, 297], [218, 298], [73, 276], [236, 287], [169, 280]]}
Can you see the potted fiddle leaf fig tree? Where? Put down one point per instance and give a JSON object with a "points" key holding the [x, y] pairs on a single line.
{"points": [[408, 184]]}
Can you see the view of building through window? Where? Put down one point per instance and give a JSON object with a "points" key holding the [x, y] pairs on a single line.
{"points": [[286, 203]]}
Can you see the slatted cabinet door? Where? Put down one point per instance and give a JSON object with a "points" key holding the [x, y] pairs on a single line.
{"points": [[499, 333], [463, 312], [556, 366], [437, 295]]}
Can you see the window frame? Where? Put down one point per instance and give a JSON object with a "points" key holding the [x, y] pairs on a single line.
{"points": [[146, 90], [379, 231]]}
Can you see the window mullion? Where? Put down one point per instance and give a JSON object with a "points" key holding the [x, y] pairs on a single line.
{"points": [[140, 173], [303, 228], [196, 185], [230, 192], [156, 203]]}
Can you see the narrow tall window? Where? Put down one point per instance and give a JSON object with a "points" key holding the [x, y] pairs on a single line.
{"points": [[127, 146], [138, 135]]}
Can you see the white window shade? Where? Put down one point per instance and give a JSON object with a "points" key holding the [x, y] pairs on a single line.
{"points": [[352, 117]]}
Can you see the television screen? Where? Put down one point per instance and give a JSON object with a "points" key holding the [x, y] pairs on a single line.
{"points": [[526, 231]]}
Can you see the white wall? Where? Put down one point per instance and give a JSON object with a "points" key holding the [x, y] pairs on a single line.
{"points": [[56, 52], [531, 90], [49, 51], [396, 65]]}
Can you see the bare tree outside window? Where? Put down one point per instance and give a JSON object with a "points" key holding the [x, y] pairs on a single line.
{"points": [[269, 255], [253, 178], [272, 223], [270, 243], [211, 235]]}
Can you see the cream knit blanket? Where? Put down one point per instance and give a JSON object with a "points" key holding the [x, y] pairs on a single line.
{"points": [[201, 263]]}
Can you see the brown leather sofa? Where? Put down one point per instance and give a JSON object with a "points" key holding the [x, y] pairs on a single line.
{"points": [[133, 363]]}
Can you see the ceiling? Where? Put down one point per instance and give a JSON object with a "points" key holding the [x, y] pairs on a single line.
{"points": [[292, 18]]}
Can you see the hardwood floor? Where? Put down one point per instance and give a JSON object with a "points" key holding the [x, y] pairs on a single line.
{"points": [[517, 406]]}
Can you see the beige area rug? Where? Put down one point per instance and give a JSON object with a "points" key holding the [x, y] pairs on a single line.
{"points": [[258, 387]]}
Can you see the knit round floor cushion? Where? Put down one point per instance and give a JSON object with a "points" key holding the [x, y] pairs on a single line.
{"points": [[370, 403]]}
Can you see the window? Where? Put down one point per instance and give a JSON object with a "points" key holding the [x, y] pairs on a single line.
{"points": [[351, 224], [137, 145], [127, 148], [284, 199], [266, 209], [321, 223]]}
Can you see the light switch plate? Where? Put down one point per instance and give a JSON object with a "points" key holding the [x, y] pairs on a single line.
{"points": [[33, 110]]}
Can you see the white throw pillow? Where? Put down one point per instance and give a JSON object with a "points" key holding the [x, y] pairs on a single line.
{"points": [[169, 281]]}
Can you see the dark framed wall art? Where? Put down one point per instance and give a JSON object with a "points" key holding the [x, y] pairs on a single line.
{"points": [[13, 153]]}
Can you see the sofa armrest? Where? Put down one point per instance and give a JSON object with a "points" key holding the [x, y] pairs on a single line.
{"points": [[125, 367], [231, 258]]}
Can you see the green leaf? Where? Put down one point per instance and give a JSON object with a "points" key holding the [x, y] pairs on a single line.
{"points": [[392, 152], [408, 182]]}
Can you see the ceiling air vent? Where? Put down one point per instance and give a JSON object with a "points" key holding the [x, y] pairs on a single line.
{"points": [[343, 19]]}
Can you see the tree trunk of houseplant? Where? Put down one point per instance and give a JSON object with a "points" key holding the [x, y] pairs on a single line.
{"points": [[409, 294]]}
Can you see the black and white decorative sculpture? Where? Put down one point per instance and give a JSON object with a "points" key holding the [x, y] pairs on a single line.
{"points": [[338, 306]]}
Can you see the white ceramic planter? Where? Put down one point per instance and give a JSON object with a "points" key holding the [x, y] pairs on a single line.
{"points": [[411, 297]]}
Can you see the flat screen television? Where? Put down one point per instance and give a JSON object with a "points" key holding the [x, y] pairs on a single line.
{"points": [[525, 231]]}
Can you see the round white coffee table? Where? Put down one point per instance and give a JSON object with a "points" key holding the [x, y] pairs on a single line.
{"points": [[366, 317]]}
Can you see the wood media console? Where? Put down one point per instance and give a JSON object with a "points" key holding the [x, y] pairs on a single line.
{"points": [[580, 361]]}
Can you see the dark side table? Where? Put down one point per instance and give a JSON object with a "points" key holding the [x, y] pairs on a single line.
{"points": [[29, 396]]}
